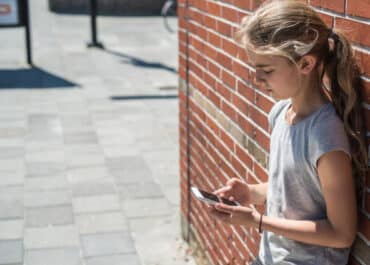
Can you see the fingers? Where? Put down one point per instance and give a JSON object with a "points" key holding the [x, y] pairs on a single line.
{"points": [[225, 208], [223, 191], [224, 217]]}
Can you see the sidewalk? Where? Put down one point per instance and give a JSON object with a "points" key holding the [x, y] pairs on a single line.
{"points": [[89, 144]]}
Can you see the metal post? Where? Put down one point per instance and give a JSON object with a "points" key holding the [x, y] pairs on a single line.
{"points": [[26, 15], [93, 13]]}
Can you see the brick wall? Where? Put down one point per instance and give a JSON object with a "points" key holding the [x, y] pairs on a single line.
{"points": [[223, 117]]}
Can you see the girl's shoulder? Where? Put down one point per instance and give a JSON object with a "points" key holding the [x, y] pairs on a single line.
{"points": [[276, 110]]}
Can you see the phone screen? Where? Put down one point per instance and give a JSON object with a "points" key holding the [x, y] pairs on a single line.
{"points": [[216, 199]]}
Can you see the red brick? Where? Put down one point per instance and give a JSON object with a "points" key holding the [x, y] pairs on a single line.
{"points": [[333, 5], [229, 47], [239, 167], [245, 125], [358, 8], [358, 32], [256, 3], [229, 80], [214, 98], [224, 60], [244, 4], [223, 91], [258, 118], [224, 28], [247, 92], [214, 39], [227, 140], [210, 80], [214, 69], [230, 14], [213, 8], [210, 22], [364, 62], [240, 104], [240, 70], [329, 20], [243, 156], [228, 110], [260, 172], [263, 103]]}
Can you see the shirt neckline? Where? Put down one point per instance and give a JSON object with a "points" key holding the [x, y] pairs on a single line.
{"points": [[305, 119]]}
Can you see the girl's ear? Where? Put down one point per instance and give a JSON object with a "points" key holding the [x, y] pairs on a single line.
{"points": [[306, 64]]}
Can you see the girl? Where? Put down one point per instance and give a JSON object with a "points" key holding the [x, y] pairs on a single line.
{"points": [[317, 140]]}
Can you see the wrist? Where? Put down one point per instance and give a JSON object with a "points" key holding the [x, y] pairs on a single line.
{"points": [[256, 219]]}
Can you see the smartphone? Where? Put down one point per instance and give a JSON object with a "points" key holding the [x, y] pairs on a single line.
{"points": [[211, 198]]}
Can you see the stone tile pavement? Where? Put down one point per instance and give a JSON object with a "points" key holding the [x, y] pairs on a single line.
{"points": [[89, 143]]}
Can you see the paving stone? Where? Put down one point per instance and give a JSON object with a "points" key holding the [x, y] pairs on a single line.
{"points": [[101, 203], [56, 182], [85, 160], [51, 237], [47, 198], [107, 244], [39, 217], [61, 256], [75, 120], [11, 229], [81, 174], [140, 190], [38, 169], [55, 156], [101, 222], [11, 178], [146, 207], [93, 187], [11, 152], [12, 165], [117, 149], [80, 138], [12, 132], [124, 259], [11, 209], [11, 251]]}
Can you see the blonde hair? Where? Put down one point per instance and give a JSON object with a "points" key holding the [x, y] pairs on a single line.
{"points": [[293, 29]]}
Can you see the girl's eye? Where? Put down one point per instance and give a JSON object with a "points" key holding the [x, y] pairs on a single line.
{"points": [[268, 72]]}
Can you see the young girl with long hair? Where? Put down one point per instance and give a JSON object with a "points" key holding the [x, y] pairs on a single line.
{"points": [[317, 147]]}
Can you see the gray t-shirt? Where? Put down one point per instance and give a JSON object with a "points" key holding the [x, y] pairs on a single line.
{"points": [[294, 190]]}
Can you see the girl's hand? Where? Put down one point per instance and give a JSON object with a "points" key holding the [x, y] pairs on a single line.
{"points": [[235, 190], [235, 215]]}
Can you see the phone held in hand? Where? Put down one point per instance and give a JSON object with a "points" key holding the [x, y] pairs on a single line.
{"points": [[211, 198]]}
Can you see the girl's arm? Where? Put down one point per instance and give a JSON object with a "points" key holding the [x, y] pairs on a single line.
{"points": [[338, 230]]}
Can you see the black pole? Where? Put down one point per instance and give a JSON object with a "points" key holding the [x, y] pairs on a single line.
{"points": [[26, 14], [93, 13]]}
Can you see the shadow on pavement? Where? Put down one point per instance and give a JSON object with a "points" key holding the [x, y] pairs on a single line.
{"points": [[141, 63], [143, 97], [32, 78]]}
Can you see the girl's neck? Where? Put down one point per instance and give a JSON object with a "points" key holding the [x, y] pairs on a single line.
{"points": [[307, 101]]}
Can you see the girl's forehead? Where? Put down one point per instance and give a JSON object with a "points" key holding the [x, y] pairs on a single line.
{"points": [[261, 60]]}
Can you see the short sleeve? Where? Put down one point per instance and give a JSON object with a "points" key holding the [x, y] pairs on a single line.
{"points": [[328, 135]]}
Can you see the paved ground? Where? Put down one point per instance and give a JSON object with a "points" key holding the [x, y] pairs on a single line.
{"points": [[89, 144]]}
